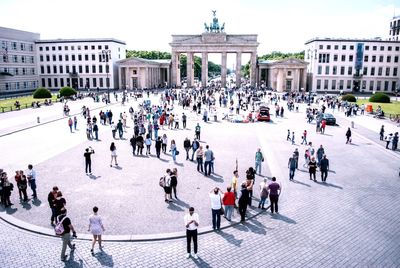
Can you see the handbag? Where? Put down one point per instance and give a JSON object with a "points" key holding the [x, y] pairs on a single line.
{"points": [[176, 152], [222, 211]]}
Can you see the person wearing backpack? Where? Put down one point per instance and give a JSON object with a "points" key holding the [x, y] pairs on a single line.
{"points": [[165, 182], [64, 228]]}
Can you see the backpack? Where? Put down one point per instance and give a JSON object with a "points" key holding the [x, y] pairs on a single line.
{"points": [[197, 128], [59, 228], [162, 182]]}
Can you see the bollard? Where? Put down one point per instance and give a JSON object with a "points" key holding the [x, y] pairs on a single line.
{"points": [[352, 124], [38, 120]]}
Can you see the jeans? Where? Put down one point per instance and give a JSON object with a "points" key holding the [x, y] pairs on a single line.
{"points": [[70, 128], [198, 135], [194, 150], [164, 147], [207, 165], [312, 174], [33, 187], [155, 134], [96, 135], [88, 165], [187, 153], [174, 155], [200, 164], [228, 211], [258, 166], [216, 218], [291, 173], [262, 202], [66, 240], [184, 124], [189, 235], [121, 133], [324, 175], [274, 203]]}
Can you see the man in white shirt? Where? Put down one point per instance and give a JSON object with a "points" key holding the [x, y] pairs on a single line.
{"points": [[32, 180], [191, 223], [216, 205]]}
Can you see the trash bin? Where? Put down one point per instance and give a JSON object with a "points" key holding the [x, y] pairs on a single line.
{"points": [[369, 108]]}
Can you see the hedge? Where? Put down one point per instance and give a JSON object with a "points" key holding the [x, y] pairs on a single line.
{"points": [[67, 92], [349, 98], [41, 93], [380, 97]]}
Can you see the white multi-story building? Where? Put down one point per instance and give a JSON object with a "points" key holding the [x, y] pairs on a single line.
{"points": [[79, 63], [352, 65], [394, 32], [18, 72]]}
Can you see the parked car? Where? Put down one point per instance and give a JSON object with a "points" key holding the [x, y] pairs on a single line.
{"points": [[263, 114], [329, 118]]}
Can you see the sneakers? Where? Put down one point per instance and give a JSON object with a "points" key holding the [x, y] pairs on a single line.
{"points": [[195, 256], [92, 252], [188, 256], [64, 259]]}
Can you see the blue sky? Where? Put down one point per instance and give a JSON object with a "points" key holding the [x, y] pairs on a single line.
{"points": [[282, 25]]}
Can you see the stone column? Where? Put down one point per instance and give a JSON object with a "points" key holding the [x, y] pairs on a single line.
{"points": [[238, 68], [189, 69], [120, 77], [204, 69], [279, 81], [147, 70], [296, 79], [253, 68], [175, 81], [223, 69], [168, 78], [304, 82], [127, 77]]}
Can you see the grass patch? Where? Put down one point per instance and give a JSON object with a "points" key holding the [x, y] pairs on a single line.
{"points": [[8, 104], [388, 108]]}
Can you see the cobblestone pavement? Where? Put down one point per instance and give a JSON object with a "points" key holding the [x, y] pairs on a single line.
{"points": [[351, 221]]}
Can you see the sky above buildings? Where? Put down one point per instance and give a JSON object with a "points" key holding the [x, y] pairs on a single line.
{"points": [[282, 25]]}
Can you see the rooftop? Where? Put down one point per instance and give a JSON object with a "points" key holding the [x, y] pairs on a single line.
{"points": [[328, 39], [81, 40]]}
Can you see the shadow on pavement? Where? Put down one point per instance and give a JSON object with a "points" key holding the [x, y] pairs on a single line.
{"points": [[36, 202], [26, 205], [283, 218], [181, 203], [301, 183], [216, 177], [118, 167], [173, 206], [329, 185], [71, 262], [104, 259], [94, 177], [230, 238], [163, 160], [200, 263], [179, 164]]}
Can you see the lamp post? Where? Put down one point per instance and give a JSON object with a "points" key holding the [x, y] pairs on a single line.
{"points": [[105, 56]]}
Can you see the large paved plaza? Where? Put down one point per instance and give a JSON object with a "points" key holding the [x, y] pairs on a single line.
{"points": [[350, 221]]}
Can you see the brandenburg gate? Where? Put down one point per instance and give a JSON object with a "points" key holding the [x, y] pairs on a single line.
{"points": [[213, 40]]}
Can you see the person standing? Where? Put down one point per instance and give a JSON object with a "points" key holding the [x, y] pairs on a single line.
{"points": [[70, 124], [96, 228], [32, 180], [243, 196], [120, 128], [184, 118], [324, 167], [292, 164], [197, 131], [382, 133], [216, 205], [296, 157], [320, 154], [133, 144], [208, 154], [304, 137], [388, 140], [312, 168], [191, 221], [164, 143], [259, 158], [187, 146], [96, 131], [51, 197], [173, 150], [195, 146], [199, 158], [395, 141], [263, 193], [66, 236], [148, 144], [88, 160], [167, 186], [274, 192], [323, 126], [229, 202], [75, 122], [174, 181], [113, 150], [348, 136], [158, 146], [250, 180], [22, 186]]}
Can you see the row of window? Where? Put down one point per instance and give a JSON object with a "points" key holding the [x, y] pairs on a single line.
{"points": [[73, 69], [18, 71], [373, 85], [67, 57], [83, 83], [19, 85], [7, 45], [17, 58], [342, 71], [60, 48], [367, 47], [325, 58]]}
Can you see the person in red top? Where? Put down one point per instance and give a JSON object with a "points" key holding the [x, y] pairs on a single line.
{"points": [[323, 125], [229, 202]]}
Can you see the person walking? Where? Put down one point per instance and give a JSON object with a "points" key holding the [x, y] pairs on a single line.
{"points": [[32, 180], [187, 146], [199, 158], [243, 196], [208, 157], [292, 165], [263, 193], [382, 133], [304, 137], [51, 197], [66, 235], [312, 168], [88, 161], [113, 150], [174, 150], [216, 205], [292, 139], [259, 158], [229, 202], [191, 221], [96, 228], [324, 168], [348, 136], [197, 131], [274, 192], [59, 203]]}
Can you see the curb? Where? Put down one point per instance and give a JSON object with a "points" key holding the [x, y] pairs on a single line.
{"points": [[117, 238]]}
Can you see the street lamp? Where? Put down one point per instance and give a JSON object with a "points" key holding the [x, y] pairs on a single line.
{"points": [[105, 56]]}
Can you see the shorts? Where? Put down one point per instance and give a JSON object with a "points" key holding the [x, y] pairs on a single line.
{"points": [[167, 190]]}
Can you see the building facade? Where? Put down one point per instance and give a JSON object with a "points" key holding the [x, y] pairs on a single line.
{"points": [[18, 71], [79, 63], [352, 65], [394, 32]]}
